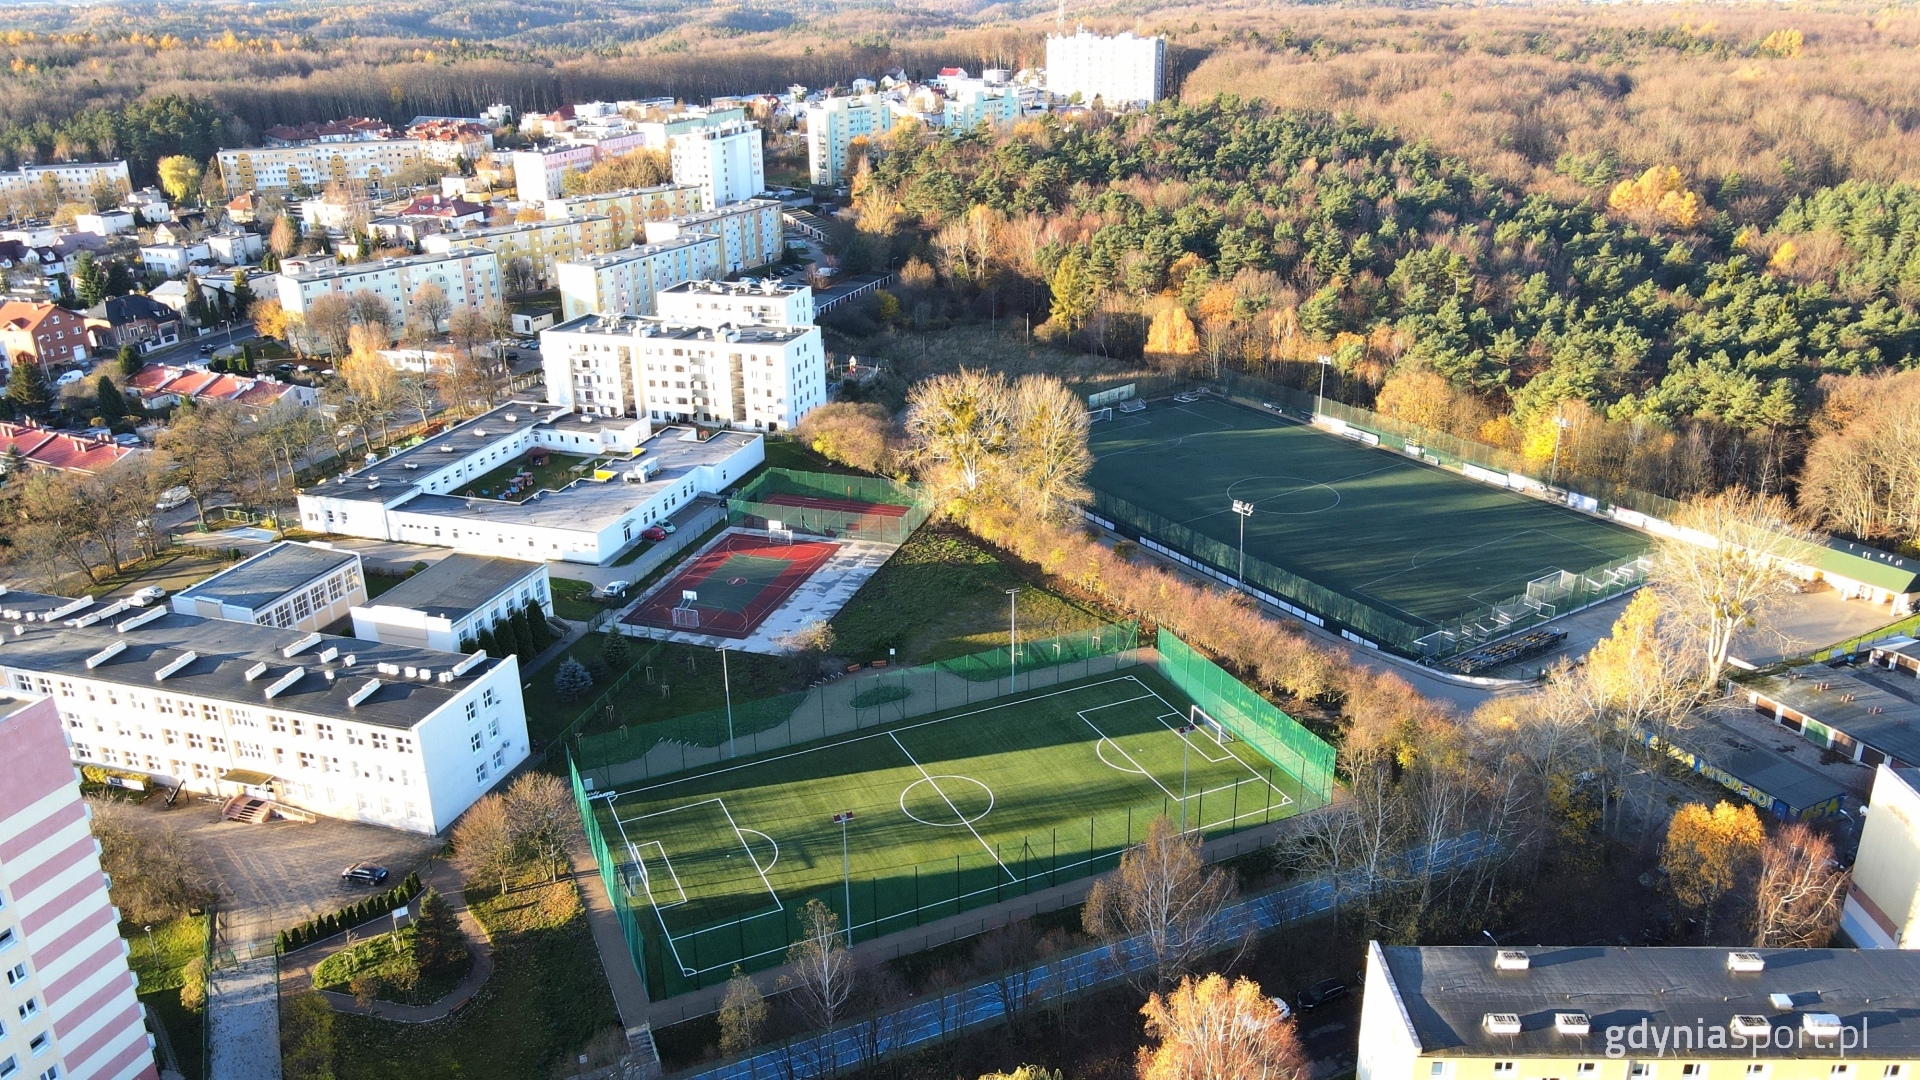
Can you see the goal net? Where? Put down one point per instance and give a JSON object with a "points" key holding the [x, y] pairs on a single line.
{"points": [[779, 532], [1094, 416], [637, 883], [685, 615], [1136, 405], [1212, 728]]}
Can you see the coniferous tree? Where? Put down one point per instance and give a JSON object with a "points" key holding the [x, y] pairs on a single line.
{"points": [[489, 644], [107, 398], [27, 388]]}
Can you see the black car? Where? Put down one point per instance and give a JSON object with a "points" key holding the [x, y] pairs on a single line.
{"points": [[363, 874], [1322, 993]]}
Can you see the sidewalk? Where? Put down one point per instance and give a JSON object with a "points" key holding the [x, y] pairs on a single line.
{"points": [[629, 993], [297, 968], [243, 1021]]}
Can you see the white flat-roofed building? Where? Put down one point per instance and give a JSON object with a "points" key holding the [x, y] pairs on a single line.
{"points": [[1123, 71], [537, 173], [470, 276], [540, 245], [314, 165], [68, 1006], [723, 161], [750, 232], [289, 585], [75, 179], [738, 303], [646, 476], [348, 728], [833, 124], [236, 248], [628, 211], [629, 280], [448, 605], [172, 260], [970, 103]]}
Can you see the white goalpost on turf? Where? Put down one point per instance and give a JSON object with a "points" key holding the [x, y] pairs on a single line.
{"points": [[779, 532], [686, 616], [1094, 416], [1214, 729]]}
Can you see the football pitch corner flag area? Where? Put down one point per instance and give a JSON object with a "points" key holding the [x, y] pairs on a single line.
{"points": [[927, 816], [1410, 555]]}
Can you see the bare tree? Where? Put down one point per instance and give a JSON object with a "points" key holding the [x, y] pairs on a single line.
{"points": [[1164, 895], [959, 424], [1801, 890], [484, 849], [543, 819], [1735, 563], [823, 968], [431, 308], [743, 1013], [326, 323], [417, 393], [156, 872], [1048, 457], [370, 310]]}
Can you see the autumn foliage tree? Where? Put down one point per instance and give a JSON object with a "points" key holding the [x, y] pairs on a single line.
{"points": [[1213, 1029], [1658, 194], [1801, 890], [1736, 566], [1708, 853], [1165, 896], [859, 434]]}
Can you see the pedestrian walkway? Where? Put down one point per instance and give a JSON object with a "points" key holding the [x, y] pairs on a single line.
{"points": [[296, 973], [243, 1020], [629, 993]]}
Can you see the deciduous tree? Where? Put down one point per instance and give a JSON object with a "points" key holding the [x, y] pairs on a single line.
{"points": [[1215, 1030], [1802, 888], [1735, 565], [1164, 895], [1708, 853], [743, 1013], [179, 177], [822, 967], [959, 424], [156, 872]]}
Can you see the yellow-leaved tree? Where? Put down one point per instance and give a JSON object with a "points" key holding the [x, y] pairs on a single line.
{"points": [[1659, 194], [1783, 44], [1171, 338], [1216, 1030], [1708, 852]]}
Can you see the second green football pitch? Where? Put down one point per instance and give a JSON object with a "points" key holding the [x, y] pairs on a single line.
{"points": [[1395, 533], [947, 813]]}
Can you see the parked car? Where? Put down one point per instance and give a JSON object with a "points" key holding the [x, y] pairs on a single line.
{"points": [[653, 532], [143, 597], [172, 497], [1321, 993], [612, 588], [363, 874], [206, 350], [69, 378], [669, 528]]}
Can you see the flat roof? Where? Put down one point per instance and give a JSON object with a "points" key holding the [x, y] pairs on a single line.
{"points": [[258, 581], [637, 251], [1799, 786], [772, 287], [1851, 702], [457, 585], [659, 326], [455, 443], [1447, 992], [210, 658], [372, 265]]}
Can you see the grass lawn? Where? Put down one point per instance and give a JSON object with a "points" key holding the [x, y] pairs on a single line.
{"points": [[557, 473], [785, 454], [381, 957], [171, 570], [380, 583], [161, 968], [571, 600], [546, 1001], [534, 302]]}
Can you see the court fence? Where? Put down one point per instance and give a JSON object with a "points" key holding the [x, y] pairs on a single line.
{"points": [[1545, 599], [681, 959], [754, 507]]}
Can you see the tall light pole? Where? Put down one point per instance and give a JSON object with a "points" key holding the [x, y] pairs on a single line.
{"points": [[1013, 642], [1185, 749], [1243, 510], [1326, 362], [726, 684], [842, 819], [1560, 426]]}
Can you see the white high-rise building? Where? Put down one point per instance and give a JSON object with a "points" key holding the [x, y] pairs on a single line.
{"points": [[724, 161], [470, 277], [833, 124], [625, 282], [1124, 72]]}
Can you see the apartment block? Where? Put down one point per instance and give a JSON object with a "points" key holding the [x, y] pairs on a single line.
{"points": [[970, 103], [315, 165], [75, 179], [384, 734], [628, 211], [537, 173], [68, 1009], [751, 234], [628, 281], [539, 245], [723, 161], [470, 276], [833, 124], [738, 303], [1123, 72]]}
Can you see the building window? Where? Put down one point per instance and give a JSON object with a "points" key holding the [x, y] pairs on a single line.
{"points": [[473, 711], [402, 744], [1587, 1068], [9, 1067], [1503, 1068], [1757, 1070], [480, 772], [29, 1008], [39, 1044], [1692, 1070], [487, 698], [500, 758], [493, 729], [1439, 1068], [6, 940], [474, 741], [17, 973]]}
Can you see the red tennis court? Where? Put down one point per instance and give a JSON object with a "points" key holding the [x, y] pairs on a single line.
{"points": [[739, 582], [822, 502]]}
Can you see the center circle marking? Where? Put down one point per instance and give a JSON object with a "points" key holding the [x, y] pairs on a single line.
{"points": [[943, 795], [1312, 496]]}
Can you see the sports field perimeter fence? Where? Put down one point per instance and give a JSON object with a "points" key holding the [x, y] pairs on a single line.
{"points": [[1300, 766], [814, 511], [1542, 601]]}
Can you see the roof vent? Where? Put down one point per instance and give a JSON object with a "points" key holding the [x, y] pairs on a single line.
{"points": [[256, 671], [410, 671], [284, 682], [1746, 963], [347, 660], [176, 664], [363, 693], [1750, 1025], [426, 674], [302, 645], [1821, 1025], [327, 654], [142, 620], [1511, 960], [472, 661], [1502, 1023], [106, 654], [1571, 1023]]}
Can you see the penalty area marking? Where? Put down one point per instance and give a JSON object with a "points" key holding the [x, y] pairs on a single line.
{"points": [[648, 878]]}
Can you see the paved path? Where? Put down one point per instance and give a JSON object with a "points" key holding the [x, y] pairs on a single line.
{"points": [[296, 973], [629, 993], [243, 1018]]}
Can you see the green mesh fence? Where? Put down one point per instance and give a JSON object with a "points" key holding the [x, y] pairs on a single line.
{"points": [[609, 873], [645, 751], [829, 504], [1249, 717]]}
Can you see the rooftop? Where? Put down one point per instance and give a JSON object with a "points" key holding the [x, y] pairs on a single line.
{"points": [[1869, 565], [266, 577], [326, 273], [1447, 993], [457, 585], [638, 251], [393, 477], [613, 323], [749, 287], [257, 666], [1858, 703]]}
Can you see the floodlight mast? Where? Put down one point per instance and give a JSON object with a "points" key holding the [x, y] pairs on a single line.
{"points": [[1320, 405], [843, 819], [1244, 510]]}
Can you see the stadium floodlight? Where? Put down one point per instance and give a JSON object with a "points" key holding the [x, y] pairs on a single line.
{"points": [[843, 819], [1326, 362], [1185, 749], [1560, 426], [1244, 510], [726, 683]]}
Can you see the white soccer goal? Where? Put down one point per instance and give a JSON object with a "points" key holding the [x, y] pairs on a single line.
{"points": [[639, 875], [1214, 729], [1094, 416], [779, 532], [1134, 406], [685, 615]]}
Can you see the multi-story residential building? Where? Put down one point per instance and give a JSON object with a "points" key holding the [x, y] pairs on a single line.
{"points": [[289, 585], [1605, 1013], [133, 320], [40, 333], [172, 260], [236, 247], [314, 165], [537, 246], [629, 211], [68, 1009], [426, 494], [537, 173], [970, 103], [385, 734], [470, 277], [448, 605], [737, 303], [723, 161], [74, 180], [756, 377], [1123, 72], [750, 232], [833, 124], [628, 281]]}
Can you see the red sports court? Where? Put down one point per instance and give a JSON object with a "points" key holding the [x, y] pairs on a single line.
{"points": [[738, 583]]}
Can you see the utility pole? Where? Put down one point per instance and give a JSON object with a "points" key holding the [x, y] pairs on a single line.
{"points": [[1560, 426], [1013, 642], [1320, 405], [1243, 510], [843, 819], [726, 684]]}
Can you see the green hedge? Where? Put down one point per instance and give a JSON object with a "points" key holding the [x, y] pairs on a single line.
{"points": [[325, 926]]}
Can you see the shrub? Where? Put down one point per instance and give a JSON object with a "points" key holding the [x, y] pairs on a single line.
{"points": [[193, 991]]}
